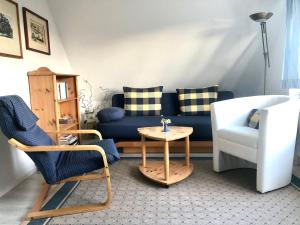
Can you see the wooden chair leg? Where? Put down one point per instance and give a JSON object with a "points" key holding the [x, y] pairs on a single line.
{"points": [[42, 196], [37, 214]]}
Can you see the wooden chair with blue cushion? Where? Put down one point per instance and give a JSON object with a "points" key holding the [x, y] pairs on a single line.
{"points": [[57, 163]]}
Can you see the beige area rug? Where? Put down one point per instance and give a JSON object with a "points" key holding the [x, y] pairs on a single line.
{"points": [[203, 198]]}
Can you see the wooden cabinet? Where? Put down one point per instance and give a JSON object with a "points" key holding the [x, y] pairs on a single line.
{"points": [[46, 104]]}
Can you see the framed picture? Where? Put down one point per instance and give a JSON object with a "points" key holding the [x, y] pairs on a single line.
{"points": [[36, 32], [10, 38]]}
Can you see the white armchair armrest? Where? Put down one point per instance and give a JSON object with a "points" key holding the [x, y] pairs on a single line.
{"points": [[235, 111], [277, 137]]}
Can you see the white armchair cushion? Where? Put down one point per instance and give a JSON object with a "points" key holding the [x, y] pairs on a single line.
{"points": [[240, 134]]}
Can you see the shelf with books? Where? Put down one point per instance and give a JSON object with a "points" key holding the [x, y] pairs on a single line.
{"points": [[66, 100], [68, 126], [50, 105]]}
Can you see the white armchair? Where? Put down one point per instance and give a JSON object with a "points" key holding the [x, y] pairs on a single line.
{"points": [[270, 149]]}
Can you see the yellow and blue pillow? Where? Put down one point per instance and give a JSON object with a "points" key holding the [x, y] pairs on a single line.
{"points": [[142, 101], [196, 101], [253, 119]]}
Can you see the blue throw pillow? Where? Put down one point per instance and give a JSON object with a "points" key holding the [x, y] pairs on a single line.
{"points": [[110, 114]]}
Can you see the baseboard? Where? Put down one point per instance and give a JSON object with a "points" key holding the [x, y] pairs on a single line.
{"points": [[18, 181]]}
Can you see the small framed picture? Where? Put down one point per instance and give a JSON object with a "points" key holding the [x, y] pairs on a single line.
{"points": [[36, 32], [10, 38]]}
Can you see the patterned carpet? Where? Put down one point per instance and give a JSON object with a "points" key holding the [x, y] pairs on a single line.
{"points": [[203, 198]]}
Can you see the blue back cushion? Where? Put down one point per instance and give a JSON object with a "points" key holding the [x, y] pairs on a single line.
{"points": [[169, 103], [11, 110]]}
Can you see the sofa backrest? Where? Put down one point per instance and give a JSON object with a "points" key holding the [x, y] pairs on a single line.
{"points": [[170, 104]]}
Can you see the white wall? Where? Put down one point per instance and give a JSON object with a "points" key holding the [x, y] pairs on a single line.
{"points": [[251, 79], [14, 164], [173, 43]]}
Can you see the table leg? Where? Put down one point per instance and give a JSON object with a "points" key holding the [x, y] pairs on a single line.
{"points": [[187, 151], [167, 168], [143, 151]]}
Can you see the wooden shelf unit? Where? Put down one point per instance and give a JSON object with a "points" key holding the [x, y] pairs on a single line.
{"points": [[46, 105]]}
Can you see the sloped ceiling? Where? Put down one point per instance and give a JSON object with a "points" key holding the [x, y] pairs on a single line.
{"points": [[174, 43]]}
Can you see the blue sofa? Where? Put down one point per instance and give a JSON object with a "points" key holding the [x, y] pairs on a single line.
{"points": [[126, 128]]}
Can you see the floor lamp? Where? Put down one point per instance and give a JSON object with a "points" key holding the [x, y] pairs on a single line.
{"points": [[262, 18]]}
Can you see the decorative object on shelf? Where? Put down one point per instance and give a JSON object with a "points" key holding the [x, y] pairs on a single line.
{"points": [[54, 114], [104, 96], [36, 32], [89, 120], [165, 123], [10, 38], [86, 97], [262, 18], [66, 120]]}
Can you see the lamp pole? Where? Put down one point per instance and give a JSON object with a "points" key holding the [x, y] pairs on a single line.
{"points": [[262, 17]]}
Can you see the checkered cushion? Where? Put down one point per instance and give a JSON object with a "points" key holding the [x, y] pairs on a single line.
{"points": [[142, 101], [253, 119], [197, 101]]}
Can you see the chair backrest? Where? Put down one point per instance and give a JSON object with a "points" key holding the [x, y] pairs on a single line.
{"points": [[17, 121], [170, 104]]}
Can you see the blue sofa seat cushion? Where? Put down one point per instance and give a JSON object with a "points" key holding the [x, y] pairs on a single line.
{"points": [[126, 128], [110, 114], [77, 163]]}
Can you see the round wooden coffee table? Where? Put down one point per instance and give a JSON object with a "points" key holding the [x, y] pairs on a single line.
{"points": [[166, 172]]}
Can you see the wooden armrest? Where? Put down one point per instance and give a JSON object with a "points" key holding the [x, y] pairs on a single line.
{"points": [[78, 132], [57, 148]]}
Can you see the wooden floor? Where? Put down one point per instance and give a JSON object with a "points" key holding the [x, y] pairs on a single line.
{"points": [[15, 204]]}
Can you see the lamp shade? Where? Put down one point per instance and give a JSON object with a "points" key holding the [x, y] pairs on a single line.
{"points": [[261, 16]]}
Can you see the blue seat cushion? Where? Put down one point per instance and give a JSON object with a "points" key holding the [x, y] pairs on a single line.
{"points": [[126, 128], [54, 166], [79, 162], [22, 116], [110, 114], [45, 161]]}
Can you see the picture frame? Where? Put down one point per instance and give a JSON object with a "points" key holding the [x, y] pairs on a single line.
{"points": [[36, 30], [10, 35]]}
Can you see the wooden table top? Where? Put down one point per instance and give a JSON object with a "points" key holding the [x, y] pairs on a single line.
{"points": [[174, 133]]}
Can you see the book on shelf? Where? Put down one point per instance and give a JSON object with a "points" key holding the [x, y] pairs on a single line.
{"points": [[62, 90], [65, 120], [68, 139]]}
